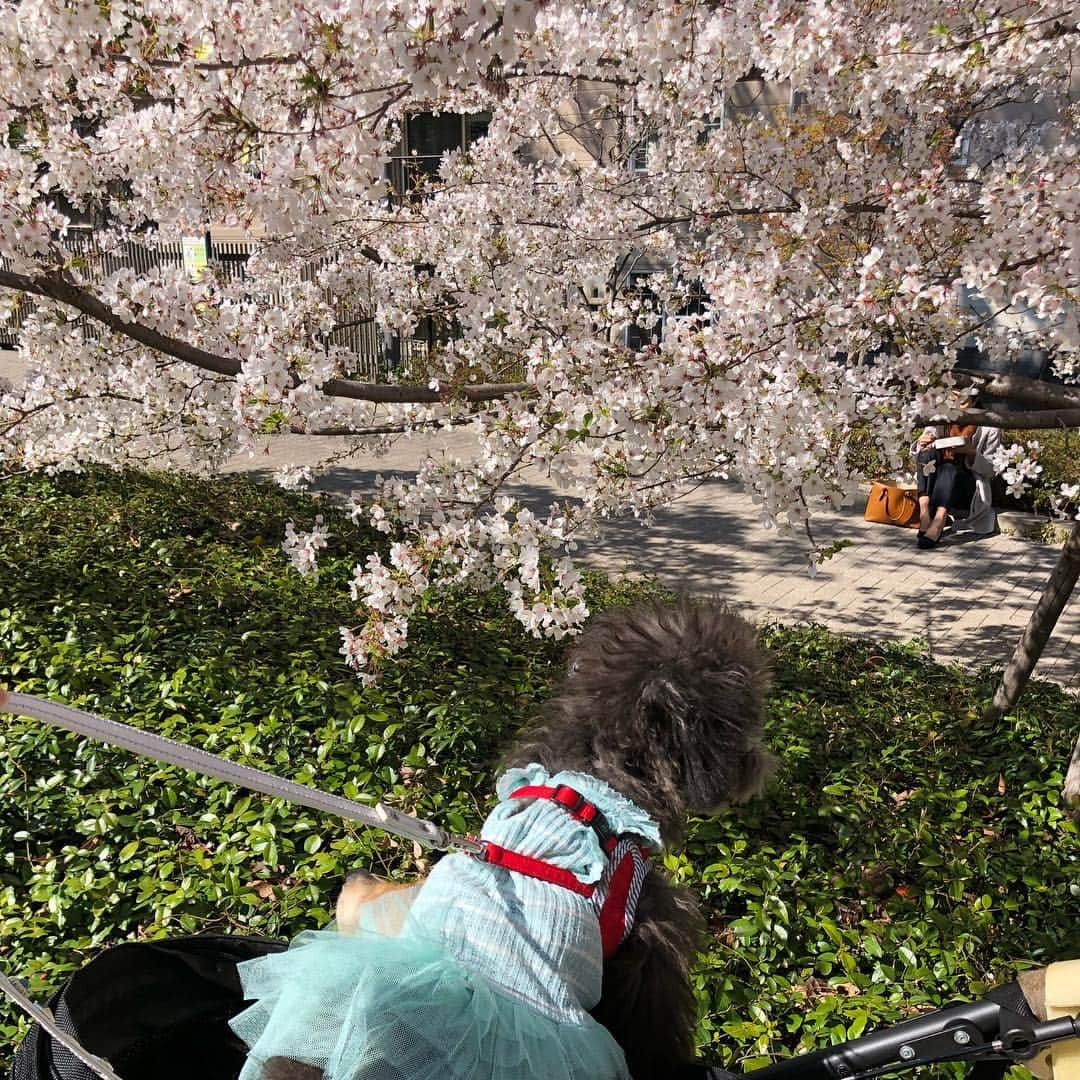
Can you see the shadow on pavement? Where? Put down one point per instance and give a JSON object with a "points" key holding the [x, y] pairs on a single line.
{"points": [[967, 599]]}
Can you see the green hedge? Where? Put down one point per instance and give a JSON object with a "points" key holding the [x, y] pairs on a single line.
{"points": [[903, 855]]}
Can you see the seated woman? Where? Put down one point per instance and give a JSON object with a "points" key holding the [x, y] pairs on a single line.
{"points": [[955, 478]]}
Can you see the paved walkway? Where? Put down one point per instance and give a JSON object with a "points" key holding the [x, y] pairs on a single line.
{"points": [[967, 600]]}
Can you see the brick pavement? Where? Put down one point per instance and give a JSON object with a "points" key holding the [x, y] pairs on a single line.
{"points": [[967, 600]]}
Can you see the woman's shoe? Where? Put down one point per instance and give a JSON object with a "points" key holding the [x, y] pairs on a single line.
{"points": [[924, 542]]}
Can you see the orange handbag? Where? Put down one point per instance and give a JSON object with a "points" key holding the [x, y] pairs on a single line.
{"points": [[892, 505]]}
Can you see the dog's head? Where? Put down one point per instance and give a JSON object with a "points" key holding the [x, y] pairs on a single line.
{"points": [[674, 695]]}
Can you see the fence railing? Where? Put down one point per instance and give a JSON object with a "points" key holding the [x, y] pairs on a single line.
{"points": [[16, 306], [93, 263], [355, 329], [374, 355]]}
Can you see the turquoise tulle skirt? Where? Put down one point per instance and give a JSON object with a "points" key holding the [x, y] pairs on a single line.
{"points": [[373, 1007]]}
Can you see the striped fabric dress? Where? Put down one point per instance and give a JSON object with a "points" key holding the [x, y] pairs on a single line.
{"points": [[492, 975]]}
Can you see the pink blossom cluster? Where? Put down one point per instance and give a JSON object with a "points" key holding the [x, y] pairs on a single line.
{"points": [[1018, 466], [303, 548]]}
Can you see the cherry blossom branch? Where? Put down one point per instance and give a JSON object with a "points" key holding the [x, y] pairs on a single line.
{"points": [[22, 415], [209, 65], [1059, 30], [854, 209], [81, 299], [55, 288]]}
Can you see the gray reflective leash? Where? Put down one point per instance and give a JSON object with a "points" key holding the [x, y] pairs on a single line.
{"points": [[158, 747], [48, 1022]]}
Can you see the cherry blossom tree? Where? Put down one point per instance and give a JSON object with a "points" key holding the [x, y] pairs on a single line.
{"points": [[811, 261]]}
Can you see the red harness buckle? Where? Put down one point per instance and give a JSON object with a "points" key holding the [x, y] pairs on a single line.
{"points": [[576, 805]]}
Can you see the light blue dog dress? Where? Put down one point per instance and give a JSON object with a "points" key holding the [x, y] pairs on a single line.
{"points": [[491, 976]]}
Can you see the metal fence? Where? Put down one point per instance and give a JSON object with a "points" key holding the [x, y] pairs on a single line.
{"points": [[16, 307], [93, 263], [373, 354]]}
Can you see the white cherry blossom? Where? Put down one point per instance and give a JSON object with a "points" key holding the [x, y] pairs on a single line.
{"points": [[687, 242]]}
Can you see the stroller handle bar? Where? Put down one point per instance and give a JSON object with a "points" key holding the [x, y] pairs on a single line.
{"points": [[977, 1031]]}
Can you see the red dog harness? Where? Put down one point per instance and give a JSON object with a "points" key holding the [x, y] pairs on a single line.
{"points": [[615, 896]]}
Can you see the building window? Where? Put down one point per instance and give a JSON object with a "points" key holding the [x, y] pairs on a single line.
{"points": [[647, 327], [639, 156], [688, 308], [426, 137]]}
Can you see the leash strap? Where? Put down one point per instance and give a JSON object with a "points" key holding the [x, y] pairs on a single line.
{"points": [[159, 748], [45, 1018]]}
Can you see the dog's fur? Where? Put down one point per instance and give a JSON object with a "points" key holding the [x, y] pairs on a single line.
{"points": [[664, 703]]}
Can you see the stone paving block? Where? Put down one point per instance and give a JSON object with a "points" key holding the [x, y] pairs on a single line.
{"points": [[874, 580], [767, 585]]}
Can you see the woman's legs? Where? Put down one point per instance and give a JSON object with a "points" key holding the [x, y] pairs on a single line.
{"points": [[924, 513], [950, 484], [941, 487], [934, 530], [924, 479], [927, 481]]}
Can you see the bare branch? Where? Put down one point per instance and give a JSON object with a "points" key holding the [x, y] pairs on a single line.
{"points": [[1021, 419], [297, 428], [204, 65], [1031, 260], [1034, 392], [55, 288], [420, 395]]}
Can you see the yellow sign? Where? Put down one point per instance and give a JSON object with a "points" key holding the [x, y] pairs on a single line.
{"points": [[194, 249]]}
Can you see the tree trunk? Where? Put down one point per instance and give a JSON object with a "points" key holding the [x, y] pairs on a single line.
{"points": [[1033, 640]]}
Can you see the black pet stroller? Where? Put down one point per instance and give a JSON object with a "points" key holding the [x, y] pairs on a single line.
{"points": [[153, 1009], [159, 1010]]}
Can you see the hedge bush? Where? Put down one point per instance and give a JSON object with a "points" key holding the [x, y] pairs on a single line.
{"points": [[904, 853]]}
